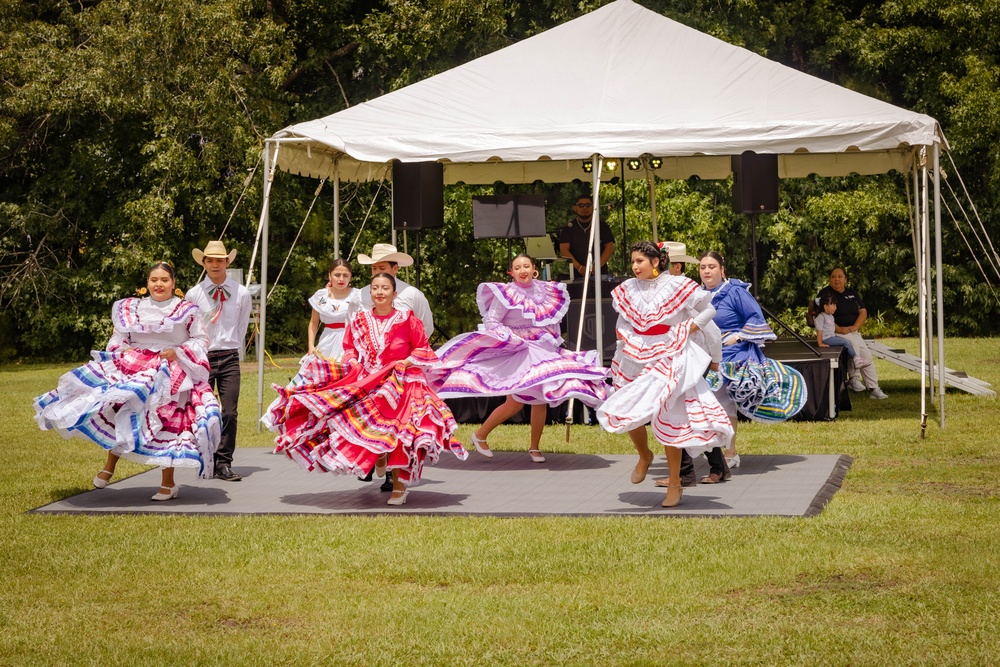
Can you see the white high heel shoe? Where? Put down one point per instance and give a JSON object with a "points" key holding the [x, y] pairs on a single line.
{"points": [[171, 493], [100, 482], [481, 446], [733, 462], [400, 499]]}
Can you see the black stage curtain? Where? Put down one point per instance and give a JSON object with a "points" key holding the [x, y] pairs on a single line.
{"points": [[476, 410]]}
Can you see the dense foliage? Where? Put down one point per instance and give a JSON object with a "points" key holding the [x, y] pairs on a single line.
{"points": [[130, 131]]}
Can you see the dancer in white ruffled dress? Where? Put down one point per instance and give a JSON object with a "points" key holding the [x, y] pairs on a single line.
{"points": [[333, 307], [658, 372]]}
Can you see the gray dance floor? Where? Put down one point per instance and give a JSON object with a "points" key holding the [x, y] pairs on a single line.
{"points": [[507, 485]]}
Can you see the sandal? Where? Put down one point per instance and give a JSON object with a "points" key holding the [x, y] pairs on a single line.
{"points": [[536, 456], [481, 446], [100, 482]]}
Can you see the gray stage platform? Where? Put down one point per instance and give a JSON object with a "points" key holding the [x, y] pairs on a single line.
{"points": [[507, 485]]}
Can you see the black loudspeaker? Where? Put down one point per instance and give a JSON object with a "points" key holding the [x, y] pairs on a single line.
{"points": [[609, 319], [508, 216], [417, 195], [755, 183]]}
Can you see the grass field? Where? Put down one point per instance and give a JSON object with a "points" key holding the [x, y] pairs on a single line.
{"points": [[902, 567]]}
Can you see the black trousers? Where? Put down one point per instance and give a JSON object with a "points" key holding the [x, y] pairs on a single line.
{"points": [[716, 462], [225, 380]]}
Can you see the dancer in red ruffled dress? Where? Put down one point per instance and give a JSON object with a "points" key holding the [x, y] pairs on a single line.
{"points": [[373, 409]]}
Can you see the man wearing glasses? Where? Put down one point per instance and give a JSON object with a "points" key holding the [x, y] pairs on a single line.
{"points": [[574, 239]]}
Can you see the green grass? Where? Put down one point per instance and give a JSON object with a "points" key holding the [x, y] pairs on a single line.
{"points": [[900, 568]]}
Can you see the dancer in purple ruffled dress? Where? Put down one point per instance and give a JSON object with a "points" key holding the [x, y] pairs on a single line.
{"points": [[516, 353]]}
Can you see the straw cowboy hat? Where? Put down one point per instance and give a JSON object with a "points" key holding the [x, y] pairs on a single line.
{"points": [[213, 249], [384, 252], [677, 252]]}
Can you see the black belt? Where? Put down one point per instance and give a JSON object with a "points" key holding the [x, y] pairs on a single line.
{"points": [[218, 354]]}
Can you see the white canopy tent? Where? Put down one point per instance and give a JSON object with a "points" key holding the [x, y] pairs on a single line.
{"points": [[620, 82]]}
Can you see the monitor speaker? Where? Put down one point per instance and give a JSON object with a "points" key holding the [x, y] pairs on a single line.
{"points": [[755, 183], [609, 320], [417, 195]]}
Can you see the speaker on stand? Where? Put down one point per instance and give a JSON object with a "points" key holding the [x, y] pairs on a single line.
{"points": [[417, 201], [755, 191]]}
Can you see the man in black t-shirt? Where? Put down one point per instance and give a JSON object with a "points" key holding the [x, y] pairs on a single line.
{"points": [[848, 318], [574, 239]]}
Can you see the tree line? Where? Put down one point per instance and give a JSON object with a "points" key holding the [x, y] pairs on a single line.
{"points": [[130, 131]]}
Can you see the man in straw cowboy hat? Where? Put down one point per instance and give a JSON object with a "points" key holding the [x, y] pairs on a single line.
{"points": [[386, 259], [225, 306]]}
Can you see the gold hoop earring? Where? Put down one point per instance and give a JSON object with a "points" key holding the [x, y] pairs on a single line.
{"points": [[535, 274]]}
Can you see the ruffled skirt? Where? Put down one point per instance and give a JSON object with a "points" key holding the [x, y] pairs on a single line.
{"points": [[329, 419], [480, 364], [672, 395], [123, 402], [765, 392]]}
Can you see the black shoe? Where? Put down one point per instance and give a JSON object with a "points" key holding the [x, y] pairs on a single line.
{"points": [[368, 477], [386, 485], [224, 472]]}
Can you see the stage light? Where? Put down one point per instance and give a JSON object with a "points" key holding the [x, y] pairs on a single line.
{"points": [[634, 164], [611, 165], [655, 162], [588, 166]]}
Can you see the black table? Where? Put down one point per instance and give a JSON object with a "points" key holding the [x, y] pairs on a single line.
{"points": [[825, 376]]}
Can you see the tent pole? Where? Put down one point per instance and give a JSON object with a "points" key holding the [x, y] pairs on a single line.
{"points": [[264, 224], [928, 295], [598, 163], [939, 286], [595, 261], [651, 179], [336, 210], [392, 211], [921, 300], [624, 230]]}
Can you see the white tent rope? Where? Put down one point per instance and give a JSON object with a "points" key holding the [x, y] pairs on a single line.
{"points": [[246, 186], [912, 212], [268, 181], [985, 250], [971, 251], [296, 239], [357, 236], [972, 204]]}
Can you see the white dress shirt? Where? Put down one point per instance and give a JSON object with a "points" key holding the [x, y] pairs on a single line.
{"points": [[229, 331]]}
